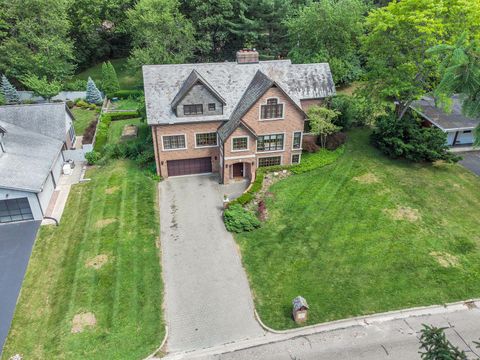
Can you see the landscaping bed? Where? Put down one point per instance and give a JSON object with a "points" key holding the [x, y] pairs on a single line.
{"points": [[93, 288], [83, 117], [365, 234]]}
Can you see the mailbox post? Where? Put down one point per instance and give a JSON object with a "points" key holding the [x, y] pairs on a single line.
{"points": [[300, 310]]}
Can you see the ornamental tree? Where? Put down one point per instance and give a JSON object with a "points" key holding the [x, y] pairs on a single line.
{"points": [[9, 92], [41, 86], [93, 94], [321, 122]]}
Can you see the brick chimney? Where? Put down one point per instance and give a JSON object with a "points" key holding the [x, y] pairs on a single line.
{"points": [[247, 56]]}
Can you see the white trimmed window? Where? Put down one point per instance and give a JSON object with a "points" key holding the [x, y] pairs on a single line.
{"points": [[297, 140], [172, 142], [206, 139], [272, 142], [269, 161], [240, 143], [296, 159]]}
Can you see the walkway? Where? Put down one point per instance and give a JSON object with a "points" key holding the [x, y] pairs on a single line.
{"points": [[60, 195], [208, 300]]}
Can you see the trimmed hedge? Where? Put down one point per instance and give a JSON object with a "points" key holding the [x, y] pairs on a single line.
{"points": [[124, 115], [102, 133], [124, 94]]}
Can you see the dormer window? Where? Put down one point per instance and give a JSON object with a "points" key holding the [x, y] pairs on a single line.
{"points": [[194, 109], [271, 110]]}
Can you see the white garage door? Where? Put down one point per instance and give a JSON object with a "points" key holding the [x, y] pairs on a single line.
{"points": [[15, 210]]}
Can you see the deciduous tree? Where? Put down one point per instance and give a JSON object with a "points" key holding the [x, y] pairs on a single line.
{"points": [[41, 86], [321, 122], [161, 34], [34, 39]]}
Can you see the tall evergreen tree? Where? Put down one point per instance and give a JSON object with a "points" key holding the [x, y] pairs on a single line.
{"points": [[93, 94], [109, 79], [9, 92], [35, 39]]}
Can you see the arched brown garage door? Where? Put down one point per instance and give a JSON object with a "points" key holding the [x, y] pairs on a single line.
{"points": [[189, 166]]}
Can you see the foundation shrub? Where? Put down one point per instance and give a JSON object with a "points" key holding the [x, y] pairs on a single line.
{"points": [[237, 219]]}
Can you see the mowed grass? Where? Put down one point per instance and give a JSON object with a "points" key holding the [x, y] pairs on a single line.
{"points": [[126, 104], [116, 128], [83, 117], [115, 214], [127, 78], [331, 237]]}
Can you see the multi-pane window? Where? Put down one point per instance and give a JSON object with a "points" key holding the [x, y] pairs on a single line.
{"points": [[174, 142], [296, 159], [269, 161], [211, 107], [195, 109], [270, 142], [240, 143], [71, 133], [272, 110], [15, 210], [206, 139], [297, 140]]}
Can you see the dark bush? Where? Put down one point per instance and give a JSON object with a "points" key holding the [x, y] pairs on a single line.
{"points": [[124, 94], [262, 210], [237, 219], [70, 104], [407, 139], [309, 145], [336, 140], [89, 132]]}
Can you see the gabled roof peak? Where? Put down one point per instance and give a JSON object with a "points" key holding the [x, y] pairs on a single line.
{"points": [[193, 79]]}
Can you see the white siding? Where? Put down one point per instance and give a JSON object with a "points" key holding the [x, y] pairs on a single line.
{"points": [[463, 138]]}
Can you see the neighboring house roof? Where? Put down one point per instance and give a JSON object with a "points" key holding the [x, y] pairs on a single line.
{"points": [[192, 80], [455, 120], [229, 79], [46, 118], [28, 158]]}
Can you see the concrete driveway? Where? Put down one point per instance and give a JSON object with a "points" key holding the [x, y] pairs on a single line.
{"points": [[208, 299], [16, 241], [471, 160]]}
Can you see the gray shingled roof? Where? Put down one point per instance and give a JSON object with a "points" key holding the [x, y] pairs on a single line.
{"points": [[28, 159], [258, 86], [455, 120], [163, 82], [193, 79], [46, 118]]}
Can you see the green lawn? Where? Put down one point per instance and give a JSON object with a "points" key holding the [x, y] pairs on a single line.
{"points": [[116, 128], [126, 78], [83, 117], [332, 237], [114, 215], [125, 104]]}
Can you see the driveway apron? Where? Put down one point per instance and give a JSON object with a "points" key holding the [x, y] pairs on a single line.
{"points": [[207, 296]]}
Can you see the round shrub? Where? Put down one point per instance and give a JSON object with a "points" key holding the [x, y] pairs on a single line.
{"points": [[238, 220]]}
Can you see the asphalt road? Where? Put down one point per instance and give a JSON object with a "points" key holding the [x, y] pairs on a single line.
{"points": [[471, 160], [381, 339], [16, 241]]}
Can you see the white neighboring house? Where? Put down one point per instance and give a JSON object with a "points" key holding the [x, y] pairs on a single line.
{"points": [[460, 129], [32, 139]]}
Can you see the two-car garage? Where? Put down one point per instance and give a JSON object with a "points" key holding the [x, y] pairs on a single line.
{"points": [[189, 166]]}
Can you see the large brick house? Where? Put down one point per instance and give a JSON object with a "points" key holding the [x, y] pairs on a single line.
{"points": [[231, 117]]}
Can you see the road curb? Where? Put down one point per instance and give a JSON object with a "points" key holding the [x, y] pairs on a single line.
{"points": [[374, 318], [273, 336]]}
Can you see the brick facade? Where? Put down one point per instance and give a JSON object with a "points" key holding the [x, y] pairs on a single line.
{"points": [[292, 121]]}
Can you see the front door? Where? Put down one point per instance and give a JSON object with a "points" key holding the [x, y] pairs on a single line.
{"points": [[238, 170]]}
